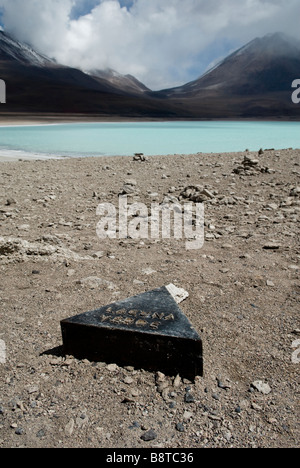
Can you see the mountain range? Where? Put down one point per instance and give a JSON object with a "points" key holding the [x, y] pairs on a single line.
{"points": [[253, 82]]}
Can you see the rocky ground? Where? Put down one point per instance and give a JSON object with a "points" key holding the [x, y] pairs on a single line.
{"points": [[243, 299]]}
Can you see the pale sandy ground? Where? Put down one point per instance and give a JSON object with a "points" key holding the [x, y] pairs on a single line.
{"points": [[243, 299]]}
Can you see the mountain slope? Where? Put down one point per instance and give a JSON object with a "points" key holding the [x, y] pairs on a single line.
{"points": [[36, 83], [254, 81], [15, 51], [122, 83]]}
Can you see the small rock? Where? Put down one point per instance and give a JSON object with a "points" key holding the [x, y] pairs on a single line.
{"points": [[262, 387], [227, 246], [177, 381], [189, 398], [256, 407], [179, 294], [69, 429], [149, 435], [41, 433], [139, 157], [93, 282], [272, 421], [135, 392], [160, 377], [128, 380], [71, 272], [132, 182], [148, 271], [112, 367], [180, 427], [19, 320], [10, 201], [32, 389], [187, 416], [19, 431], [214, 417], [98, 254], [272, 246], [223, 385], [208, 194]]}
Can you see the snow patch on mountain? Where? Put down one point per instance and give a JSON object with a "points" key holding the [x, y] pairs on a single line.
{"points": [[21, 52]]}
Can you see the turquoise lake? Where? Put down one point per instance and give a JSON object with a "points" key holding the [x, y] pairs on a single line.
{"points": [[150, 138]]}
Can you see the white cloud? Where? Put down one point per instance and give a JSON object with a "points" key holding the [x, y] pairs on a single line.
{"points": [[158, 41]]}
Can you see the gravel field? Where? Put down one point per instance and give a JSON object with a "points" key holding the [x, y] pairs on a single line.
{"points": [[243, 287]]}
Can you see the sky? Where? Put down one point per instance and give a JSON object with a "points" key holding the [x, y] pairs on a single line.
{"points": [[163, 43]]}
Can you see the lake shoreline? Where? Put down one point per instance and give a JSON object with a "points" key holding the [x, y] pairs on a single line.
{"points": [[8, 119]]}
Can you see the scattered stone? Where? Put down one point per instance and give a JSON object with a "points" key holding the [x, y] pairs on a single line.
{"points": [[189, 398], [256, 407], [99, 254], [187, 416], [128, 380], [69, 428], [250, 167], [139, 157], [295, 191], [177, 381], [214, 417], [227, 246], [71, 272], [23, 250], [132, 182], [180, 427], [32, 389], [93, 282], [41, 433], [148, 271], [179, 294], [112, 367], [272, 246], [223, 385], [129, 189], [262, 387], [10, 201], [19, 431], [196, 193], [149, 436]]}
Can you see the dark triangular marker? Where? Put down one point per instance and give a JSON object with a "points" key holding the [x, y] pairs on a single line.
{"points": [[148, 331]]}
